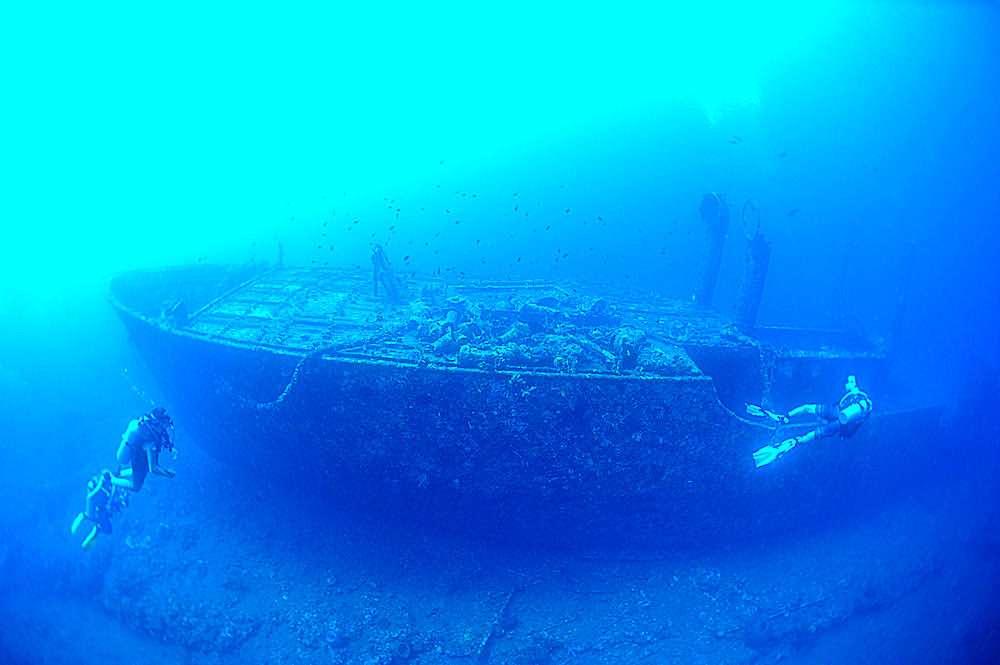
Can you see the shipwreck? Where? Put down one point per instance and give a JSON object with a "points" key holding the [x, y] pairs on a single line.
{"points": [[553, 412]]}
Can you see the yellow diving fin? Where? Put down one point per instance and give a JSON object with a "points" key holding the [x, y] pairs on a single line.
{"points": [[89, 541], [76, 523]]}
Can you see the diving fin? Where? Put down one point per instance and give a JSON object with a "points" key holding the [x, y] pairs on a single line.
{"points": [[768, 454], [757, 410], [76, 523], [88, 542]]}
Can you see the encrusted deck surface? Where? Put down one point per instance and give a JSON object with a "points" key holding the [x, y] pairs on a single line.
{"points": [[484, 323]]}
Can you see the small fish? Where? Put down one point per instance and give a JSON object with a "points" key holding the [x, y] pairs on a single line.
{"points": [[784, 154], [567, 209], [793, 211], [736, 140], [440, 162], [515, 207]]}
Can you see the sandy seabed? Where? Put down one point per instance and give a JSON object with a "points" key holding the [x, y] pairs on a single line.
{"points": [[216, 567]]}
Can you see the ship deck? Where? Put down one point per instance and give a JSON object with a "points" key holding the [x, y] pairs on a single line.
{"points": [[300, 310], [528, 326]]}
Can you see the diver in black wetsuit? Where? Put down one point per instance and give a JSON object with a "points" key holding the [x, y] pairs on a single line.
{"points": [[843, 418], [139, 452], [103, 499]]}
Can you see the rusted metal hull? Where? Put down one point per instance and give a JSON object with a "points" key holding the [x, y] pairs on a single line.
{"points": [[562, 458]]}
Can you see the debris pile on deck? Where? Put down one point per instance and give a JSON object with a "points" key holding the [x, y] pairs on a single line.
{"points": [[563, 334], [531, 326]]}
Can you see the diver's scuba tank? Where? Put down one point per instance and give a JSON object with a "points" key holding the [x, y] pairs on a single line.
{"points": [[853, 412], [855, 406]]}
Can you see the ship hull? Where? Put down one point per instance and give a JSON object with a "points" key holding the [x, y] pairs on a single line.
{"points": [[564, 459]]}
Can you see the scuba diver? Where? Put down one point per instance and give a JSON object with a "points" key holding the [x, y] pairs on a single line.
{"points": [[103, 499], [140, 448], [844, 418]]}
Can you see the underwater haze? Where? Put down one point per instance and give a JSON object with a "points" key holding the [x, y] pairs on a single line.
{"points": [[523, 141]]}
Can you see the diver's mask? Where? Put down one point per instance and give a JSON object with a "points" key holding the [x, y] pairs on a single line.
{"points": [[163, 425]]}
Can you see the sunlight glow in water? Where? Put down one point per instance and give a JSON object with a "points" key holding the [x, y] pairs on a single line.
{"points": [[141, 132]]}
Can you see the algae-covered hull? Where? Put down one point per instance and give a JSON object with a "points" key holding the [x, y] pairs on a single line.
{"points": [[527, 410]]}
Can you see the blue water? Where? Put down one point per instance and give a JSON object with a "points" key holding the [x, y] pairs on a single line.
{"points": [[531, 142]]}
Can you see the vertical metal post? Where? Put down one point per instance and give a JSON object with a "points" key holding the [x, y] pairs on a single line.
{"points": [[752, 287], [715, 212]]}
